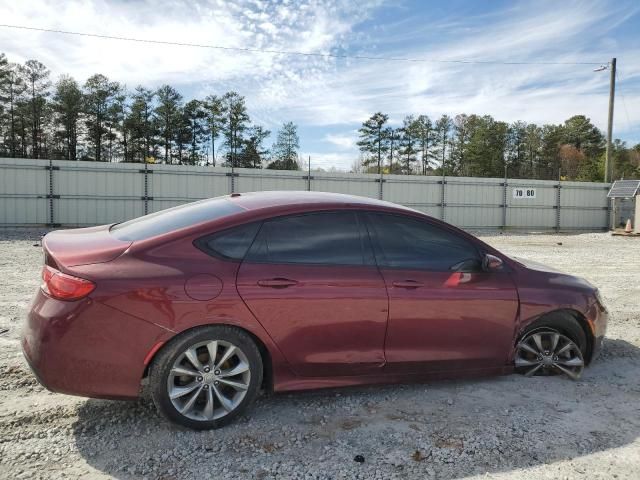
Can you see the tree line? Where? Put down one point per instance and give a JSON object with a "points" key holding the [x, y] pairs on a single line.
{"points": [[101, 120], [480, 146]]}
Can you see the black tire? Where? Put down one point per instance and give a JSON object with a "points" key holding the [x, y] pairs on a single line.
{"points": [[164, 361], [563, 323]]}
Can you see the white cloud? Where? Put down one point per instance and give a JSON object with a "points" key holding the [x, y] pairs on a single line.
{"points": [[343, 142]]}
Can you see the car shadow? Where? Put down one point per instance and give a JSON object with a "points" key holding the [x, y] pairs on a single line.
{"points": [[444, 430]]}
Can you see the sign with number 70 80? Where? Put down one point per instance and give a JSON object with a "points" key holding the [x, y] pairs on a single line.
{"points": [[524, 192]]}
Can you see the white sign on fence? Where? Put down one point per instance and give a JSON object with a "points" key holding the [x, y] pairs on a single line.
{"points": [[522, 192]]}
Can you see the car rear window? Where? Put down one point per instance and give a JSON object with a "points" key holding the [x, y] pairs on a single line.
{"points": [[175, 218], [232, 243]]}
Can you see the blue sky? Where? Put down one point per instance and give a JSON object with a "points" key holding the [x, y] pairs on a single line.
{"points": [[327, 97]]}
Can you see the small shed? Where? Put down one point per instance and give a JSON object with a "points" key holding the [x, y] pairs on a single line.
{"points": [[625, 204]]}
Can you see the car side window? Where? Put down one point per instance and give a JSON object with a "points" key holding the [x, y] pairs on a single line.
{"points": [[326, 238], [403, 242], [232, 243]]}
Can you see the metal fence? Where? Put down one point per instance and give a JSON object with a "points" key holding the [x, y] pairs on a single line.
{"points": [[67, 193]]}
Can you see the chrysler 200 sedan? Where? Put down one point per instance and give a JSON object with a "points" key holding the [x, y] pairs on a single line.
{"points": [[214, 300]]}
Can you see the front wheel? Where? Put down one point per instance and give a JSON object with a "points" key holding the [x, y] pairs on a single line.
{"points": [[555, 344], [206, 377]]}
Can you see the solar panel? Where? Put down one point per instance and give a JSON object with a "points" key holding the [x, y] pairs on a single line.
{"points": [[624, 189]]}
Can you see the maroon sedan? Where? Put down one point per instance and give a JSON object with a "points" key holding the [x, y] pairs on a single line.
{"points": [[288, 291]]}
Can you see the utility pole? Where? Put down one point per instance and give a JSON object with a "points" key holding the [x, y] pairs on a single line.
{"points": [[608, 165]]}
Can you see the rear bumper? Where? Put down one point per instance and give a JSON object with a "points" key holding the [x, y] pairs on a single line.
{"points": [[86, 348]]}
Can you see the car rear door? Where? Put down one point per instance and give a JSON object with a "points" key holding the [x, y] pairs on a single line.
{"points": [[445, 312], [312, 282]]}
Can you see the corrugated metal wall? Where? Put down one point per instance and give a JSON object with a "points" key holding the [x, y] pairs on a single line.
{"points": [[39, 192]]}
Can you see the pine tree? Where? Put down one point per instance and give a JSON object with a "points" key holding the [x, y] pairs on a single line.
{"points": [[99, 95], [36, 79], [67, 106], [372, 140], [12, 88], [425, 137], [167, 114], [235, 123], [443, 127], [215, 121], [285, 149], [195, 118], [253, 153], [408, 144]]}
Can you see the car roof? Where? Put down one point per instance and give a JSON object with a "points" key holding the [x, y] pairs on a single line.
{"points": [[286, 199]]}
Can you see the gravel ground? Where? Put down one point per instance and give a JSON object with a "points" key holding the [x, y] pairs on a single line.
{"points": [[505, 427]]}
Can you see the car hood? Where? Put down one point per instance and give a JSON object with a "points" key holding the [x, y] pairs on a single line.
{"points": [[555, 276], [540, 267]]}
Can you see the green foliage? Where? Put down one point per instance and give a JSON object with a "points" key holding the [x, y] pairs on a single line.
{"points": [[373, 142], [285, 149], [67, 107], [101, 121], [99, 97]]}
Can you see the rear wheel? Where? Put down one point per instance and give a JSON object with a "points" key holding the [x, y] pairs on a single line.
{"points": [[553, 345], [206, 377]]}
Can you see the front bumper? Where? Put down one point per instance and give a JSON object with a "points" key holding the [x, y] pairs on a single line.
{"points": [[86, 348], [597, 318]]}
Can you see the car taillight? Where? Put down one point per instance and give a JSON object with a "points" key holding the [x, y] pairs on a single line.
{"points": [[64, 287]]}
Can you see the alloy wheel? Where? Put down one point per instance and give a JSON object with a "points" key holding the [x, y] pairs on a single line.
{"points": [[548, 352], [209, 380]]}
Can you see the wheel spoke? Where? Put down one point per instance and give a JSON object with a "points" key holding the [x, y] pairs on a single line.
{"points": [[521, 362], [533, 370], [554, 341], [236, 385], [537, 338], [192, 356], [227, 355], [237, 370], [572, 362], [569, 373], [184, 372], [177, 392], [564, 349], [192, 400], [528, 348], [224, 401], [212, 348], [208, 408]]}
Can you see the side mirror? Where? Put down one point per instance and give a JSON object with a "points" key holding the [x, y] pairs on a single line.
{"points": [[491, 263]]}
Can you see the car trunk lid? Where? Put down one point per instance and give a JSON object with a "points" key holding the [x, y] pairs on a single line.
{"points": [[82, 246]]}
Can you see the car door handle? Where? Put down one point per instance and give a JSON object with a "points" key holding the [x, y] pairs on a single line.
{"points": [[407, 284], [277, 283]]}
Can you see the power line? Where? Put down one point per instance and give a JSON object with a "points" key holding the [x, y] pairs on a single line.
{"points": [[288, 52], [624, 102]]}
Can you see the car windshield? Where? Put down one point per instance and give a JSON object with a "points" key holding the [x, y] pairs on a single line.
{"points": [[175, 218]]}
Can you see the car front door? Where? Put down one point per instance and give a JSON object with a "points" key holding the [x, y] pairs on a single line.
{"points": [[445, 312], [312, 282]]}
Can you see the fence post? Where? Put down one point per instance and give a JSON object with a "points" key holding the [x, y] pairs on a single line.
{"points": [[146, 188], [558, 187], [50, 195], [443, 198], [145, 198], [504, 200]]}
